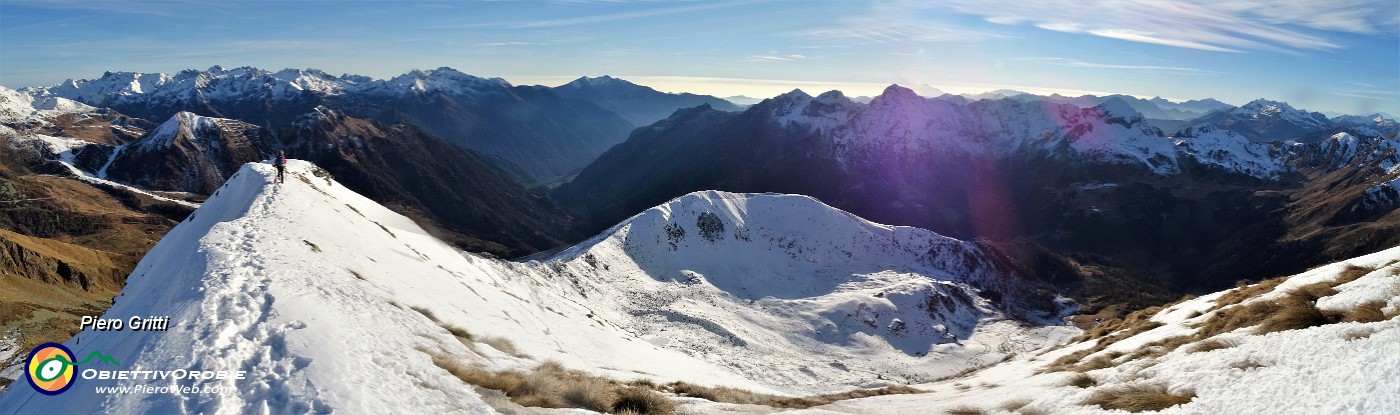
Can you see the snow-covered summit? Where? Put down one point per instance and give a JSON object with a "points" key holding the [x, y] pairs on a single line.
{"points": [[1263, 110], [441, 79], [833, 97], [1117, 108], [604, 81], [184, 123]]}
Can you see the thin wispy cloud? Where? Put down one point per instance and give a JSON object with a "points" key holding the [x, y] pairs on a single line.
{"points": [[496, 44], [1212, 25], [151, 8], [612, 17], [1082, 64], [893, 30], [778, 58]]}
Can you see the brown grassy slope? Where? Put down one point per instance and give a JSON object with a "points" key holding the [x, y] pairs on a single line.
{"points": [[103, 127], [1330, 208], [66, 247]]}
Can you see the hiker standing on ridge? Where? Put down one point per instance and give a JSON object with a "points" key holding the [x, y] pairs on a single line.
{"points": [[280, 162]]}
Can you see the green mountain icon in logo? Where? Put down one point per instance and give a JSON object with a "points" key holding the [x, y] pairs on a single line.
{"points": [[100, 357]]}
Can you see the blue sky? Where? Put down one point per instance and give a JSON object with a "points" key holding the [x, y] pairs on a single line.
{"points": [[1340, 55]]}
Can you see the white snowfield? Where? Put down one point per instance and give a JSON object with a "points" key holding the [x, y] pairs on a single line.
{"points": [[332, 303]]}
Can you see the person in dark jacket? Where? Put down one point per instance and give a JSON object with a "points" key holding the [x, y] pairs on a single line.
{"points": [[280, 162]]}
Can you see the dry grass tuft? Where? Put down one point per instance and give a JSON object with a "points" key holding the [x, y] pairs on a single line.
{"points": [[1160, 348], [644, 383], [550, 385], [1297, 311], [1082, 380], [1132, 325], [642, 401], [1013, 405], [853, 394], [965, 410], [1314, 291], [458, 332], [1135, 322], [504, 345], [1352, 273], [1138, 398], [1213, 344], [504, 381], [717, 394], [739, 396], [1240, 316], [1366, 313], [425, 312], [1244, 292], [1101, 362]]}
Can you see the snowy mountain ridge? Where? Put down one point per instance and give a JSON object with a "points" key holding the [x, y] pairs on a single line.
{"points": [[901, 122], [20, 107], [332, 302], [1263, 109], [247, 83]]}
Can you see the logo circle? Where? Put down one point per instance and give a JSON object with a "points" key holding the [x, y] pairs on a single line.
{"points": [[50, 368]]}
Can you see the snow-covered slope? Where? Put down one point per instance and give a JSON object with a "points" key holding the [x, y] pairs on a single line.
{"points": [[16, 106], [1213, 146], [900, 123], [332, 303], [771, 284], [1342, 367]]}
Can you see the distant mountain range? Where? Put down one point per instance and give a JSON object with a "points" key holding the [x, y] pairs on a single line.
{"points": [[1071, 174], [1154, 108], [464, 196], [637, 104], [1102, 181], [542, 134]]}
